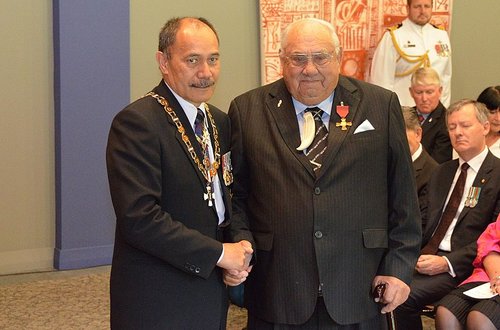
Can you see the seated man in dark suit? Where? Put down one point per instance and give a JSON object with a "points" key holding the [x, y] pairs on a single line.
{"points": [[423, 163], [463, 198], [426, 90]]}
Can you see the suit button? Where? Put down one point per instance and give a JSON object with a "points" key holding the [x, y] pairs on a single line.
{"points": [[317, 191], [318, 234], [197, 270], [191, 268]]}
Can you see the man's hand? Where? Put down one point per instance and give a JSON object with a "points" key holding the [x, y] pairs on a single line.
{"points": [[233, 277], [236, 256], [396, 292], [428, 264]]}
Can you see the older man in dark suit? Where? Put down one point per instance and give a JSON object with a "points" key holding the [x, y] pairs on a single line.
{"points": [[426, 90], [323, 176], [463, 198], [168, 153]]}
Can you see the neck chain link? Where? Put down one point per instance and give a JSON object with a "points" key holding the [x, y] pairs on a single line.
{"points": [[209, 170]]}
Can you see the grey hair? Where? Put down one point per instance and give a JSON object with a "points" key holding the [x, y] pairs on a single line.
{"points": [[425, 76], [479, 108], [312, 20]]}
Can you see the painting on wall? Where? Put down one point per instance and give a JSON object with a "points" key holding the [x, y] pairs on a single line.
{"points": [[360, 25]]}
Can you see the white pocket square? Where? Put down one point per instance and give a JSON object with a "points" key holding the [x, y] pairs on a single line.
{"points": [[365, 126]]}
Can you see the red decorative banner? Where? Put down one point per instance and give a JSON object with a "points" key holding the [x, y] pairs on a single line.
{"points": [[360, 24]]}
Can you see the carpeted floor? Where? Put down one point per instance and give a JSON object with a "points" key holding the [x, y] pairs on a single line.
{"points": [[72, 300], [66, 300]]}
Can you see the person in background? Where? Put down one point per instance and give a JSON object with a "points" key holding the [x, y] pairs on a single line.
{"points": [[423, 164], [169, 175], [491, 98], [458, 310], [463, 199], [425, 89], [328, 231], [408, 46]]}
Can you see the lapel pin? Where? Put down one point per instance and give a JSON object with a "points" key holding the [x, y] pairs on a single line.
{"points": [[279, 103]]}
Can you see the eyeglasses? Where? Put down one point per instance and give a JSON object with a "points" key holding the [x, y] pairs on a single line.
{"points": [[319, 59]]}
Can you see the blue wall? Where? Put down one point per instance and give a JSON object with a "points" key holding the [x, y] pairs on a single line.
{"points": [[91, 84]]}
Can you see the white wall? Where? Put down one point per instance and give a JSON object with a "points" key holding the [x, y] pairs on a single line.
{"points": [[27, 225], [236, 22], [475, 47]]}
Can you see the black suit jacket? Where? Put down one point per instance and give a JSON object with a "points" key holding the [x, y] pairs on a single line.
{"points": [[435, 137], [471, 221], [357, 219], [167, 240], [424, 166]]}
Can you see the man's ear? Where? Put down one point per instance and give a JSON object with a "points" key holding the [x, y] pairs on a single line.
{"points": [[339, 55], [161, 58], [419, 131]]}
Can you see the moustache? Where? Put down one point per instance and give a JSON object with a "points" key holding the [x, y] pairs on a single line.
{"points": [[203, 83]]}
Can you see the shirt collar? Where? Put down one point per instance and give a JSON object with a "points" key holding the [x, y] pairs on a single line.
{"points": [[189, 109], [417, 153], [476, 162], [325, 105]]}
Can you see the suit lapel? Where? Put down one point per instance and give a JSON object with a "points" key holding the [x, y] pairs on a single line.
{"points": [[482, 178], [418, 164], [345, 93], [163, 90], [433, 118], [282, 110], [442, 191]]}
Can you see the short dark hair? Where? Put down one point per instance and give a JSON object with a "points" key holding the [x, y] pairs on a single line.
{"points": [[171, 27], [410, 116], [490, 97]]}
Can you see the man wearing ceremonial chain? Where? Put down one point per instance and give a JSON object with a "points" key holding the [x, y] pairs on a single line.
{"points": [[413, 44], [169, 172]]}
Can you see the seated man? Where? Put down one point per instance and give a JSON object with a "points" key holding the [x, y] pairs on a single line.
{"points": [[426, 90], [423, 164], [463, 198]]}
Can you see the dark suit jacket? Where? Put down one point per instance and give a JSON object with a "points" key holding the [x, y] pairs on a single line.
{"points": [[359, 218], [167, 240], [424, 165], [471, 221], [435, 137]]}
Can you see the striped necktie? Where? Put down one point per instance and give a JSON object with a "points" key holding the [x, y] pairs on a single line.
{"points": [[449, 213], [315, 152]]}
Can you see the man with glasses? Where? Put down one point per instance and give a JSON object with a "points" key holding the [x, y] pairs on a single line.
{"points": [[324, 178]]}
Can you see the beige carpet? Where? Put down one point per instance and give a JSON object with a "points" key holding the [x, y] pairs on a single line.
{"points": [[72, 300], [66, 300]]}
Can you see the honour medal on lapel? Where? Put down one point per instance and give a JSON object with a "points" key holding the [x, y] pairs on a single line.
{"points": [[227, 168], [472, 197], [343, 111]]}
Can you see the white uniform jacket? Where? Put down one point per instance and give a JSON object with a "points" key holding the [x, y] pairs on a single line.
{"points": [[393, 72]]}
